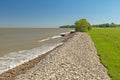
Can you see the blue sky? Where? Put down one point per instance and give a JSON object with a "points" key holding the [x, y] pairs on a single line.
{"points": [[54, 13]]}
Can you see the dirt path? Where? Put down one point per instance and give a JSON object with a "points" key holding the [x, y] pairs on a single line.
{"points": [[76, 59]]}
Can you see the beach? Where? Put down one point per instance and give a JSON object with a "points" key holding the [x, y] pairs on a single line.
{"points": [[75, 59]]}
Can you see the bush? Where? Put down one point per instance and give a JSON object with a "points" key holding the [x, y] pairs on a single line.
{"points": [[82, 25]]}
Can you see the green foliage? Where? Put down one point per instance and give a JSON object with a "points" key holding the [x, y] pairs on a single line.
{"points": [[106, 25], [107, 42], [67, 26], [82, 25]]}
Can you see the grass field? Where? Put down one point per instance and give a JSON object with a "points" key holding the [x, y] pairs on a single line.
{"points": [[107, 42]]}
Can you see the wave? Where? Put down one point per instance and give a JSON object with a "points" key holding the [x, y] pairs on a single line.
{"points": [[44, 39], [17, 58], [66, 33], [56, 37], [53, 37]]}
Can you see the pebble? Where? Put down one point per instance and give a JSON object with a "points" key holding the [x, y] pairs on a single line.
{"points": [[76, 59]]}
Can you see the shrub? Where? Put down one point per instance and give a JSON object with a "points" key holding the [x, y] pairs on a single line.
{"points": [[82, 25]]}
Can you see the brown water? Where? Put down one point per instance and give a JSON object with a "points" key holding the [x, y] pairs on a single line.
{"points": [[16, 39]]}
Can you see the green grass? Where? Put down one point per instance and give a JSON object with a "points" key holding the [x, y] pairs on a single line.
{"points": [[107, 42]]}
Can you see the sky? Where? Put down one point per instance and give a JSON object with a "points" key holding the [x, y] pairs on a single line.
{"points": [[55, 13]]}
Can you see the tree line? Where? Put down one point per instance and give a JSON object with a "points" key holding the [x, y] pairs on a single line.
{"points": [[81, 25], [105, 25], [67, 26]]}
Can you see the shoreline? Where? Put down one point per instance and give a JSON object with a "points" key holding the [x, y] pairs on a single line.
{"points": [[21, 69], [76, 59]]}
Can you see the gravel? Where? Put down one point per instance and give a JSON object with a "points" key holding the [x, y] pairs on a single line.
{"points": [[76, 59]]}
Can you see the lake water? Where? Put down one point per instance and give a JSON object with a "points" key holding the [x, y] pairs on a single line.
{"points": [[14, 39], [19, 45]]}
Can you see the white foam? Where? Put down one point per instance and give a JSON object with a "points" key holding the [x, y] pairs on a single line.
{"points": [[44, 39], [65, 33], [72, 30], [17, 58], [56, 37]]}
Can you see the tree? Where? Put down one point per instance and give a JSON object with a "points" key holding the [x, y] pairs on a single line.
{"points": [[82, 25], [113, 25], [67, 26], [106, 25]]}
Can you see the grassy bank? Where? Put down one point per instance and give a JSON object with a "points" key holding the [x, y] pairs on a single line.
{"points": [[107, 42]]}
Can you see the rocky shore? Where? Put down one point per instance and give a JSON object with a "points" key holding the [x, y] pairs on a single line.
{"points": [[76, 59], [21, 69]]}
